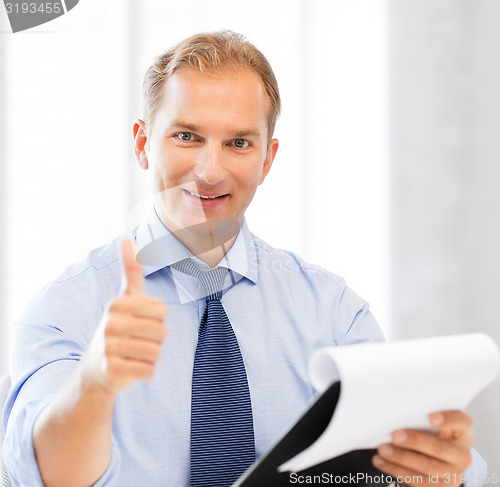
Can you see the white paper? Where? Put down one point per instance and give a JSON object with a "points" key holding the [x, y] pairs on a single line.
{"points": [[388, 386]]}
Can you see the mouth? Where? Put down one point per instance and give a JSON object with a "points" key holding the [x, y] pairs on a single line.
{"points": [[207, 196], [206, 201]]}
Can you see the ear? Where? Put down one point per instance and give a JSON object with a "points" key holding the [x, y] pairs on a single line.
{"points": [[268, 161], [140, 140]]}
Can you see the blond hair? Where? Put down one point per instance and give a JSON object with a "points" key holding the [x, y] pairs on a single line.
{"points": [[208, 52]]}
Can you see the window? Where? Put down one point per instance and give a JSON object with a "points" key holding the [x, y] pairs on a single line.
{"points": [[72, 92]]}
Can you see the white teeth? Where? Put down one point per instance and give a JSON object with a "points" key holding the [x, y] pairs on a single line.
{"points": [[202, 197]]}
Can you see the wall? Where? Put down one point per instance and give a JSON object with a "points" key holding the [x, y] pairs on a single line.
{"points": [[445, 152]]}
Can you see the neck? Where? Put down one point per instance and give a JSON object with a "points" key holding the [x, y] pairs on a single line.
{"points": [[213, 256], [210, 241]]}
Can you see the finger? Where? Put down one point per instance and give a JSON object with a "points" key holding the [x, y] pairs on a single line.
{"points": [[127, 371], [400, 474], [139, 306], [133, 277], [458, 459], [455, 425], [429, 444], [134, 349], [124, 325], [407, 476], [433, 447]]}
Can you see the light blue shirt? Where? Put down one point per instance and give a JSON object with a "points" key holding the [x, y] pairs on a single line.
{"points": [[281, 309]]}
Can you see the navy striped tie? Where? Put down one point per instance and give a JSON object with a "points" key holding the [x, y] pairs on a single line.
{"points": [[222, 437]]}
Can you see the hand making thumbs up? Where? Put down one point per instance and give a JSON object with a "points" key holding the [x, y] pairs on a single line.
{"points": [[133, 277], [129, 340]]}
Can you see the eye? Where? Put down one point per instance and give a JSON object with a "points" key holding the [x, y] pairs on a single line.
{"points": [[241, 143], [185, 136]]}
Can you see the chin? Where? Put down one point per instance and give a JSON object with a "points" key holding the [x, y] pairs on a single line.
{"points": [[211, 233]]}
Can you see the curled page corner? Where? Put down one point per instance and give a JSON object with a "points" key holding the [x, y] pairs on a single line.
{"points": [[388, 386]]}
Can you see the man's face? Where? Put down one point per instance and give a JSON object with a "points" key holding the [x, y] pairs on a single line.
{"points": [[208, 148]]}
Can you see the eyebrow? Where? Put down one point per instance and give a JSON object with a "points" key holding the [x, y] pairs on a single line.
{"points": [[181, 125], [248, 132], [178, 124]]}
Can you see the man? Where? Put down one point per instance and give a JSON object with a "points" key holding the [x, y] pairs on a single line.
{"points": [[104, 383]]}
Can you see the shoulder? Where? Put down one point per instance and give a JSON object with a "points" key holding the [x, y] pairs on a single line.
{"points": [[275, 260], [323, 294], [95, 278], [287, 271], [101, 259], [81, 290]]}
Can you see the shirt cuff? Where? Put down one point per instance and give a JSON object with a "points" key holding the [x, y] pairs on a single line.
{"points": [[475, 475]]}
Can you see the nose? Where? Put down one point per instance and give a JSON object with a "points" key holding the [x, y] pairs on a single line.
{"points": [[209, 166]]}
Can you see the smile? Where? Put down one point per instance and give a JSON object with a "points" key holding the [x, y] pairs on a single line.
{"points": [[205, 197]]}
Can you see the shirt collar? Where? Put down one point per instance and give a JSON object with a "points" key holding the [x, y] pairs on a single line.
{"points": [[158, 249]]}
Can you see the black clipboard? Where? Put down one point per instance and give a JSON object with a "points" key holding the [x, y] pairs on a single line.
{"points": [[351, 468]]}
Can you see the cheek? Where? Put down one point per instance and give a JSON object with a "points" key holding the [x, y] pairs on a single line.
{"points": [[159, 178], [169, 169], [249, 175], [248, 170]]}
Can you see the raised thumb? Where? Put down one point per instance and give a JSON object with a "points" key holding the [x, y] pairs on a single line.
{"points": [[133, 277]]}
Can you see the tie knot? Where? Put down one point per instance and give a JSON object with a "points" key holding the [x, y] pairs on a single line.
{"points": [[212, 280]]}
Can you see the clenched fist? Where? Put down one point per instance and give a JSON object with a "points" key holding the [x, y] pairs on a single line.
{"points": [[128, 342]]}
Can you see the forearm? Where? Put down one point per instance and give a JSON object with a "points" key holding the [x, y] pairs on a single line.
{"points": [[72, 436]]}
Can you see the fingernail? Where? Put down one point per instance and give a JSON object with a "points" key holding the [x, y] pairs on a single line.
{"points": [[437, 419], [377, 461], [400, 437], [386, 450]]}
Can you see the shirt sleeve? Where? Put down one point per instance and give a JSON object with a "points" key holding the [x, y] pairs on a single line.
{"points": [[48, 344], [475, 475], [352, 320]]}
